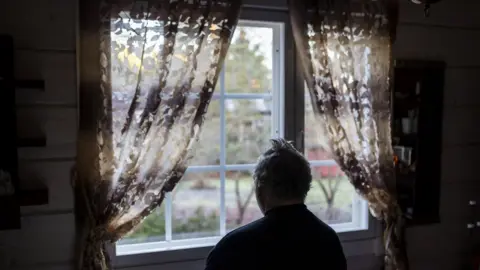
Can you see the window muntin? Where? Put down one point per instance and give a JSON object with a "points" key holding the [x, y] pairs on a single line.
{"points": [[218, 183], [216, 194]]}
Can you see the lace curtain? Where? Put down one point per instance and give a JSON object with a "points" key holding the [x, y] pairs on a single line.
{"points": [[158, 64], [345, 53]]}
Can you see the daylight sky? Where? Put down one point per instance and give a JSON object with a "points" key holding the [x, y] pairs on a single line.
{"points": [[263, 37]]}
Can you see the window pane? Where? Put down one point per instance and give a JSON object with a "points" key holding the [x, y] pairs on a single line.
{"points": [[331, 195], [240, 201], [196, 201], [246, 89], [248, 129], [248, 64], [207, 150], [152, 229], [314, 142], [125, 67]]}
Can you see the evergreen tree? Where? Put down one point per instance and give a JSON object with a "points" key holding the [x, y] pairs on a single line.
{"points": [[247, 134], [245, 72]]}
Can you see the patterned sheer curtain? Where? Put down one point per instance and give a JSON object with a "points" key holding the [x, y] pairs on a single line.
{"points": [[345, 52], [156, 69]]}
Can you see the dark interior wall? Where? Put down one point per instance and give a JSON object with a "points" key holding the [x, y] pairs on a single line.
{"points": [[45, 37], [451, 34]]}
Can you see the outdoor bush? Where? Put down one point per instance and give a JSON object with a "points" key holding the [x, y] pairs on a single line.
{"points": [[198, 222], [154, 225]]}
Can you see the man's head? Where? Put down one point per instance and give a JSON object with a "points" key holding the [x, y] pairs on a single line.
{"points": [[282, 176]]}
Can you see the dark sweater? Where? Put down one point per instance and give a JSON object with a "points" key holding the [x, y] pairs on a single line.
{"points": [[287, 237]]}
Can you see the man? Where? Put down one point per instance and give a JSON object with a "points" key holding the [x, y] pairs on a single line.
{"points": [[289, 236]]}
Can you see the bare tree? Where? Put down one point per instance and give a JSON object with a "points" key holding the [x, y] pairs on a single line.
{"points": [[246, 134], [329, 187], [241, 206]]}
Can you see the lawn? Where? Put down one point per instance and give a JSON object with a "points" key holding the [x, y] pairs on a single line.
{"points": [[196, 210], [187, 197]]}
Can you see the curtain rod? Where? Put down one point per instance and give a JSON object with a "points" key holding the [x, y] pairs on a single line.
{"points": [[265, 7], [280, 8]]}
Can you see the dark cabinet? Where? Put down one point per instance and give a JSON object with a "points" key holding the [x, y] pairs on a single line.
{"points": [[417, 114], [9, 184], [12, 194]]}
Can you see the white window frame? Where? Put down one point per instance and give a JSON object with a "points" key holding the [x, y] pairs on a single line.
{"points": [[291, 109], [277, 129]]}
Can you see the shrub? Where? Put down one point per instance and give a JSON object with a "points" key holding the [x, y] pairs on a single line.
{"points": [[154, 225]]}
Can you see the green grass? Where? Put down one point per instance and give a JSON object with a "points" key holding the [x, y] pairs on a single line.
{"points": [[343, 196], [204, 205]]}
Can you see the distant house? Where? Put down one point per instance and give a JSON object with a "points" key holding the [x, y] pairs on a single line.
{"points": [[317, 153]]}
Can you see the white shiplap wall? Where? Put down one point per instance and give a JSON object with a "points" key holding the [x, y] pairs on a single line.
{"points": [[45, 37]]}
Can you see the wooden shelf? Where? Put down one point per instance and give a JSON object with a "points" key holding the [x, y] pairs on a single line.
{"points": [[10, 211], [10, 206], [420, 221], [415, 63], [30, 84], [31, 197], [31, 142]]}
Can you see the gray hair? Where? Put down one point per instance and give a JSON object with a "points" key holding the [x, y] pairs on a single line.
{"points": [[283, 171]]}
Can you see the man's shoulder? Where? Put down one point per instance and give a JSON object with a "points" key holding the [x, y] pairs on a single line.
{"points": [[319, 224], [243, 233], [232, 248]]}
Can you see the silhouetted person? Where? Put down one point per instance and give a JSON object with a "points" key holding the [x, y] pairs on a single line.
{"points": [[289, 236]]}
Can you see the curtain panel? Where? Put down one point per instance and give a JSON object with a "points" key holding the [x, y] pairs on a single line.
{"points": [[147, 74], [345, 55]]}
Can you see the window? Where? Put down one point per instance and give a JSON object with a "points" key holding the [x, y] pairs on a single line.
{"points": [[216, 194], [332, 198], [248, 108]]}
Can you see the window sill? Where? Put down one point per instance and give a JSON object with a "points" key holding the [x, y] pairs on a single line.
{"points": [[355, 243], [162, 247], [160, 257], [352, 248]]}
